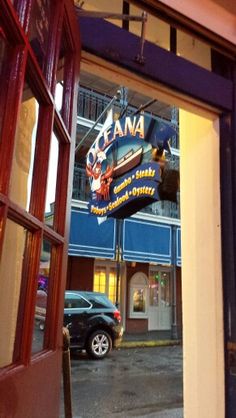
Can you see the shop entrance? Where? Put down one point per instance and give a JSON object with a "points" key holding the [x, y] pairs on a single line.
{"points": [[160, 301]]}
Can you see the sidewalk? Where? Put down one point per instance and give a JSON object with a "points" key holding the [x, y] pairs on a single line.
{"points": [[148, 339]]}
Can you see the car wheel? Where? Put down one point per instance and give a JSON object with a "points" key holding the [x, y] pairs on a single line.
{"points": [[99, 344]]}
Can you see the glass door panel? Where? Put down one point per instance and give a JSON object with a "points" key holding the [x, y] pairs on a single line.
{"points": [[24, 151], [11, 266]]}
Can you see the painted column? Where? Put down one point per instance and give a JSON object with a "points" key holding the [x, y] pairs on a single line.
{"points": [[203, 342]]}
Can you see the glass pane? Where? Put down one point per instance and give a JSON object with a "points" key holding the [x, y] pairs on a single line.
{"points": [[60, 75], [99, 284], [10, 281], [42, 297], [23, 159], [193, 50], [105, 6], [165, 289], [153, 289], [39, 28], [139, 302], [52, 181], [157, 31]]}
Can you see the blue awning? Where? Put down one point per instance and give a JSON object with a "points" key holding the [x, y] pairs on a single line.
{"points": [[88, 238], [146, 241], [141, 240]]}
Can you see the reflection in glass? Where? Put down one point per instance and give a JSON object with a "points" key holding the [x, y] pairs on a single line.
{"points": [[39, 28], [139, 300], [52, 181], [23, 160], [59, 93], [41, 298], [10, 282]]}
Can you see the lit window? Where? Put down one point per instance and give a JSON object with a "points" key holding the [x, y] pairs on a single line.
{"points": [[138, 296]]}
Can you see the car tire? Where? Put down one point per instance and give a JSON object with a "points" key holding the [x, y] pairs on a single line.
{"points": [[99, 344]]}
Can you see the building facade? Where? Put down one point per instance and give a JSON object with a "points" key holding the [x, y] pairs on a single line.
{"points": [[188, 60], [135, 261]]}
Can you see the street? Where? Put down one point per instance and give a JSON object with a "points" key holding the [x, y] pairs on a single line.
{"points": [[137, 382]]}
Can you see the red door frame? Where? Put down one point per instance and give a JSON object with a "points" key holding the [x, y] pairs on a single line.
{"points": [[30, 385]]}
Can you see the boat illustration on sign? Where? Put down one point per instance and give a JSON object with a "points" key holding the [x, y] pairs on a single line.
{"points": [[127, 162]]}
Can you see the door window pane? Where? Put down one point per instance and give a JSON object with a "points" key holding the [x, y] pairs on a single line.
{"points": [[10, 282], [52, 181], [42, 297], [23, 158], [153, 293], [165, 289], [159, 288], [39, 28]]}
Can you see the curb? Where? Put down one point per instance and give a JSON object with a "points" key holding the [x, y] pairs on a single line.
{"points": [[152, 343]]}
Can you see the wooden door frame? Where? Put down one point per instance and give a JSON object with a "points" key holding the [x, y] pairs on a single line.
{"points": [[40, 373]]}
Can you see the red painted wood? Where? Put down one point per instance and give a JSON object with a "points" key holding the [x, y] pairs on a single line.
{"points": [[30, 386]]}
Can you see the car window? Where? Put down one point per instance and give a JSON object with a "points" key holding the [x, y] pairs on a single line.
{"points": [[76, 301], [100, 301]]}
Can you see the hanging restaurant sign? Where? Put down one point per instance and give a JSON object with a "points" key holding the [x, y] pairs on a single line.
{"points": [[125, 165]]}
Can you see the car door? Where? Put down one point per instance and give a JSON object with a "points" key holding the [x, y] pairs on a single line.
{"points": [[76, 315]]}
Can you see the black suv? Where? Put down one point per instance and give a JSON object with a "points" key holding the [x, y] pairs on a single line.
{"points": [[93, 321]]}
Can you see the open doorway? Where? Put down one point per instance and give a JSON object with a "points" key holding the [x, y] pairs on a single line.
{"points": [[140, 297]]}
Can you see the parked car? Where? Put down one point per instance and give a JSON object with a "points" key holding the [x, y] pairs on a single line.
{"points": [[93, 321]]}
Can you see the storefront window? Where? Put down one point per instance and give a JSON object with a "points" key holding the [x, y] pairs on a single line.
{"points": [[138, 296], [112, 285], [105, 281], [42, 298], [24, 152], [10, 281], [139, 302], [99, 283]]}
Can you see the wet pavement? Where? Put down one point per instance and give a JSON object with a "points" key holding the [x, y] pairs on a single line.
{"points": [[136, 382]]}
